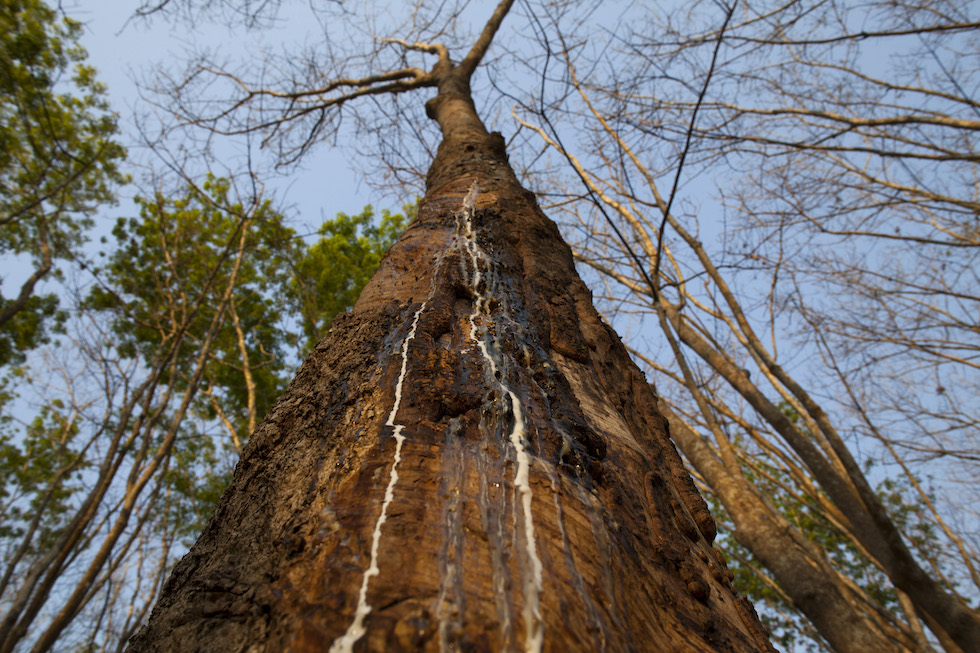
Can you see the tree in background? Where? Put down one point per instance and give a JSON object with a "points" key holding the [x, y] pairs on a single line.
{"points": [[155, 336], [329, 276], [59, 160], [167, 279]]}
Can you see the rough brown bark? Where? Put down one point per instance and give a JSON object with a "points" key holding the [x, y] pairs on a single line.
{"points": [[468, 460]]}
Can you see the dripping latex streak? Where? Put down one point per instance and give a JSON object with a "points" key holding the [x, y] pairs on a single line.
{"points": [[345, 643], [533, 585]]}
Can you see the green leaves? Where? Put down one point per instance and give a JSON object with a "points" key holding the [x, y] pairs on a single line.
{"points": [[202, 273], [197, 263], [39, 475], [26, 329], [58, 155], [331, 273]]}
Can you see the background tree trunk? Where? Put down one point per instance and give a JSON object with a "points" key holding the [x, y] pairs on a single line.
{"points": [[469, 458]]}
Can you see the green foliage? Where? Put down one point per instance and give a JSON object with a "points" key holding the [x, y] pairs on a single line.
{"points": [[39, 473], [200, 272], [331, 273], [181, 266], [26, 329], [198, 258], [789, 628], [58, 157]]}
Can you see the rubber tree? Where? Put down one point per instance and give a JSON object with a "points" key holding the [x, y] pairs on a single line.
{"points": [[468, 459]]}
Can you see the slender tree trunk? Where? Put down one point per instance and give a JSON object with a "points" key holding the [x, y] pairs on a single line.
{"points": [[469, 459], [847, 623]]}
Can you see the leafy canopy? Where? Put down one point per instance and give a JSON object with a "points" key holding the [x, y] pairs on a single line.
{"points": [[332, 272], [189, 260], [59, 160]]}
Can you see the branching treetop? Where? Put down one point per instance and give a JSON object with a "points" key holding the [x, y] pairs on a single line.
{"points": [[295, 103]]}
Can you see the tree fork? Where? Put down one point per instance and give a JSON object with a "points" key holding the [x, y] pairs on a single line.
{"points": [[468, 459]]}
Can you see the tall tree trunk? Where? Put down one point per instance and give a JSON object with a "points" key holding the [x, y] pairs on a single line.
{"points": [[469, 459]]}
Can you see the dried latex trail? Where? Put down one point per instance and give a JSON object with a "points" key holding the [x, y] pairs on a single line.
{"points": [[345, 643], [534, 627]]}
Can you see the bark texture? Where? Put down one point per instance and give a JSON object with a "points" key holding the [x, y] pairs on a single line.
{"points": [[469, 460]]}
